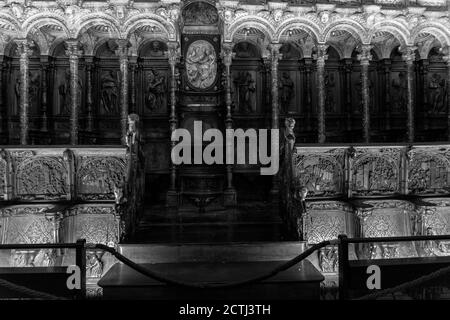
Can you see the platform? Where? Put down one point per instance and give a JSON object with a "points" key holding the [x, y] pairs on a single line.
{"points": [[299, 282]]}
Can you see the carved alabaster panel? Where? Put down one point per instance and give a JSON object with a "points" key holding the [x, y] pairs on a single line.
{"points": [[42, 177], [326, 220], [320, 171], [375, 172], [201, 64], [97, 176], [429, 171]]}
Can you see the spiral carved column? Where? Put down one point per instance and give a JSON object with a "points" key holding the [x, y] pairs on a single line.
{"points": [[364, 57], [23, 46], [409, 57], [122, 52], [74, 53], [320, 57]]}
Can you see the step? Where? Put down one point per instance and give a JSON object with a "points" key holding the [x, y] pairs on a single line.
{"points": [[212, 252]]}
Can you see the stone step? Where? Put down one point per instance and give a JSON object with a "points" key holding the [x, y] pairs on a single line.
{"points": [[212, 252]]}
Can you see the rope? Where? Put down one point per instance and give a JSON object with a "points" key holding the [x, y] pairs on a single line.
{"points": [[179, 283], [407, 285], [30, 292]]}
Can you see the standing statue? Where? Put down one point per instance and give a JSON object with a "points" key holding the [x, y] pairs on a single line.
{"points": [[287, 91], [109, 93], [301, 211], [17, 93], [329, 94], [65, 94], [399, 92], [154, 97], [35, 90], [438, 88], [246, 89]]}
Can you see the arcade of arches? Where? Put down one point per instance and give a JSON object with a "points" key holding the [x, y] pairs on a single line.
{"points": [[71, 71]]}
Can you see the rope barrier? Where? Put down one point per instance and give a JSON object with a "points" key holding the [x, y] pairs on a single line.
{"points": [[179, 283], [407, 285], [30, 292]]}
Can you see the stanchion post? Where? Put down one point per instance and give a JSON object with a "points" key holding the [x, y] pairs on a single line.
{"points": [[80, 261], [343, 267]]}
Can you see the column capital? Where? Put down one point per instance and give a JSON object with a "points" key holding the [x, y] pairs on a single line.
{"points": [[122, 49], [227, 53], [409, 54], [173, 52], [274, 51], [73, 48], [321, 53], [24, 46], [365, 56]]}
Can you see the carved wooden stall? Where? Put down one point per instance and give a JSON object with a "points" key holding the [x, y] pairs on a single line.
{"points": [[51, 195]]}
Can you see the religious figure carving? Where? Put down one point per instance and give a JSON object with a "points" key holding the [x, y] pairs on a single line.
{"points": [[200, 13], [154, 97], [328, 259], [288, 51], [329, 93], [156, 49], [300, 211], [287, 91], [94, 266], [201, 65], [35, 89], [65, 94], [245, 91], [109, 92], [398, 92], [438, 93]]}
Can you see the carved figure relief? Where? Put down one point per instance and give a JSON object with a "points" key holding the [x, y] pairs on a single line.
{"points": [[200, 13], [428, 173], [288, 51], [329, 92], [245, 91], [201, 64], [41, 177], [287, 91], [156, 49], [65, 94], [328, 259], [398, 92], [2, 178], [34, 91], [98, 175], [155, 93], [109, 92], [438, 93], [94, 266], [29, 228]]}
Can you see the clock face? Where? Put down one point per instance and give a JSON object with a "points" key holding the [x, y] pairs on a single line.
{"points": [[201, 64]]}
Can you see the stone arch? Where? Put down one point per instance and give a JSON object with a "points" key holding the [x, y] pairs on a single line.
{"points": [[251, 22], [436, 30], [145, 19], [91, 20], [352, 27], [311, 28], [251, 42], [40, 20], [395, 28]]}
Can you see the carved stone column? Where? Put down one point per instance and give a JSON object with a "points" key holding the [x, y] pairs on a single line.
{"points": [[364, 57], [409, 57], [74, 53], [447, 59], [2, 113], [308, 105], [275, 56], [89, 60], [44, 85], [387, 92], [133, 66], [122, 52], [227, 58], [320, 57], [347, 67], [23, 46], [423, 93], [174, 56], [266, 62]]}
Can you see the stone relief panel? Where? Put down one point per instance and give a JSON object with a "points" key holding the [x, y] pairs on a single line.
{"points": [[429, 171], [25, 225], [321, 172], [437, 222], [109, 92], [376, 172], [326, 220], [155, 100], [96, 225], [97, 176], [244, 91], [41, 178], [62, 95], [201, 64], [437, 93]]}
